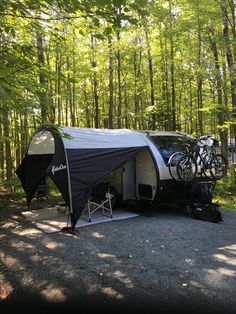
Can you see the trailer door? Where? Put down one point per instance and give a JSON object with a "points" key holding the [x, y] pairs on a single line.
{"points": [[128, 180]]}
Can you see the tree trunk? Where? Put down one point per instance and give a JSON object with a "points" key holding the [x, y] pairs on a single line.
{"points": [[137, 72], [71, 93], [42, 79], [73, 109], [135, 89], [24, 134], [172, 69], [199, 75], [95, 91], [95, 83], [119, 109], [17, 150], [111, 87], [166, 123], [51, 109], [199, 104], [126, 108], [229, 55], [223, 131], [2, 154], [152, 94], [59, 109], [88, 124], [191, 107], [8, 153]]}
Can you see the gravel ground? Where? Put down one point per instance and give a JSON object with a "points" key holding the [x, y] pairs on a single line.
{"points": [[164, 261]]}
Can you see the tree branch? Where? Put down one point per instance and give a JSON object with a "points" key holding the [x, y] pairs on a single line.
{"points": [[43, 19]]}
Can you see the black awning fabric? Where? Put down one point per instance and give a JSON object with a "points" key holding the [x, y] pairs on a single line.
{"points": [[32, 169], [73, 167], [88, 167]]}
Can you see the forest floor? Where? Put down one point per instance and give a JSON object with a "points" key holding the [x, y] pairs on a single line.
{"points": [[164, 261]]}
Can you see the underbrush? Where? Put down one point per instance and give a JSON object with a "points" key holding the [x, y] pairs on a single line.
{"points": [[225, 190]]}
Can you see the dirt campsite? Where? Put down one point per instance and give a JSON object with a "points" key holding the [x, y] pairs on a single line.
{"points": [[162, 260]]}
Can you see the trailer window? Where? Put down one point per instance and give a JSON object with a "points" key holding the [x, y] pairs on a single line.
{"points": [[167, 145]]}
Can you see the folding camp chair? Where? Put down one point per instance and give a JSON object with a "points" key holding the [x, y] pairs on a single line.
{"points": [[101, 198]]}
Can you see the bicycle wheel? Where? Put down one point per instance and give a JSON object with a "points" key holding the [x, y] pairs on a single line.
{"points": [[186, 168], [172, 163], [218, 166]]}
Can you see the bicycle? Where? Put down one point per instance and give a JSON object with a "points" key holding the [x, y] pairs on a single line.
{"points": [[201, 160], [172, 164], [174, 158]]}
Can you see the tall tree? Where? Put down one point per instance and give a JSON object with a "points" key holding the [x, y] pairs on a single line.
{"points": [[231, 56], [41, 65], [223, 130], [111, 86], [151, 74], [172, 68], [119, 111]]}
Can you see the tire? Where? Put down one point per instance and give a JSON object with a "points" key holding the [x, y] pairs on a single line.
{"points": [[218, 166], [172, 165], [186, 168]]}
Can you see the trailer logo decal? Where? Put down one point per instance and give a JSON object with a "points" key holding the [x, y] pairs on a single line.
{"points": [[58, 168]]}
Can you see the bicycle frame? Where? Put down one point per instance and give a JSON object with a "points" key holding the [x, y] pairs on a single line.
{"points": [[203, 155], [199, 160]]}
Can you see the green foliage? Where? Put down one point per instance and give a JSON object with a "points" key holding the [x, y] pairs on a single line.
{"points": [[70, 71], [226, 188]]}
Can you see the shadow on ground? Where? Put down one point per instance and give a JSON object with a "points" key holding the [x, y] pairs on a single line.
{"points": [[163, 261]]}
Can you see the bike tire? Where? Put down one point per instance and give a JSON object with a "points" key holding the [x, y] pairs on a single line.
{"points": [[186, 168], [172, 164], [218, 166]]}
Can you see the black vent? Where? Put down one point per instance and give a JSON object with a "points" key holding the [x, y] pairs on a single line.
{"points": [[145, 191]]}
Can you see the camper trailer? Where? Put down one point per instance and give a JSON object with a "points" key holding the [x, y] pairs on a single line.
{"points": [[134, 163], [146, 177]]}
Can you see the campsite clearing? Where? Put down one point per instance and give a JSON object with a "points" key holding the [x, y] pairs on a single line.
{"points": [[163, 260]]}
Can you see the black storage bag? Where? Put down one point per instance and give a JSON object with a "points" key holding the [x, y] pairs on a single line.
{"points": [[207, 212]]}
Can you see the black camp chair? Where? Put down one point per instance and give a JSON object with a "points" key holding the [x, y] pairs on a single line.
{"points": [[41, 191], [101, 198]]}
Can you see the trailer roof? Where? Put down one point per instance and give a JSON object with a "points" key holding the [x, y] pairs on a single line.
{"points": [[166, 133]]}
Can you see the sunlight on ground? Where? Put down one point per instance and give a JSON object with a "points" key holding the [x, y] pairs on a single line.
{"points": [[5, 290], [9, 225], [104, 255], [229, 248], [108, 291], [203, 287], [15, 217], [226, 272], [225, 259], [98, 235], [2, 236], [53, 244], [26, 232], [8, 260], [217, 276], [123, 278], [53, 294], [21, 245], [227, 254]]}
